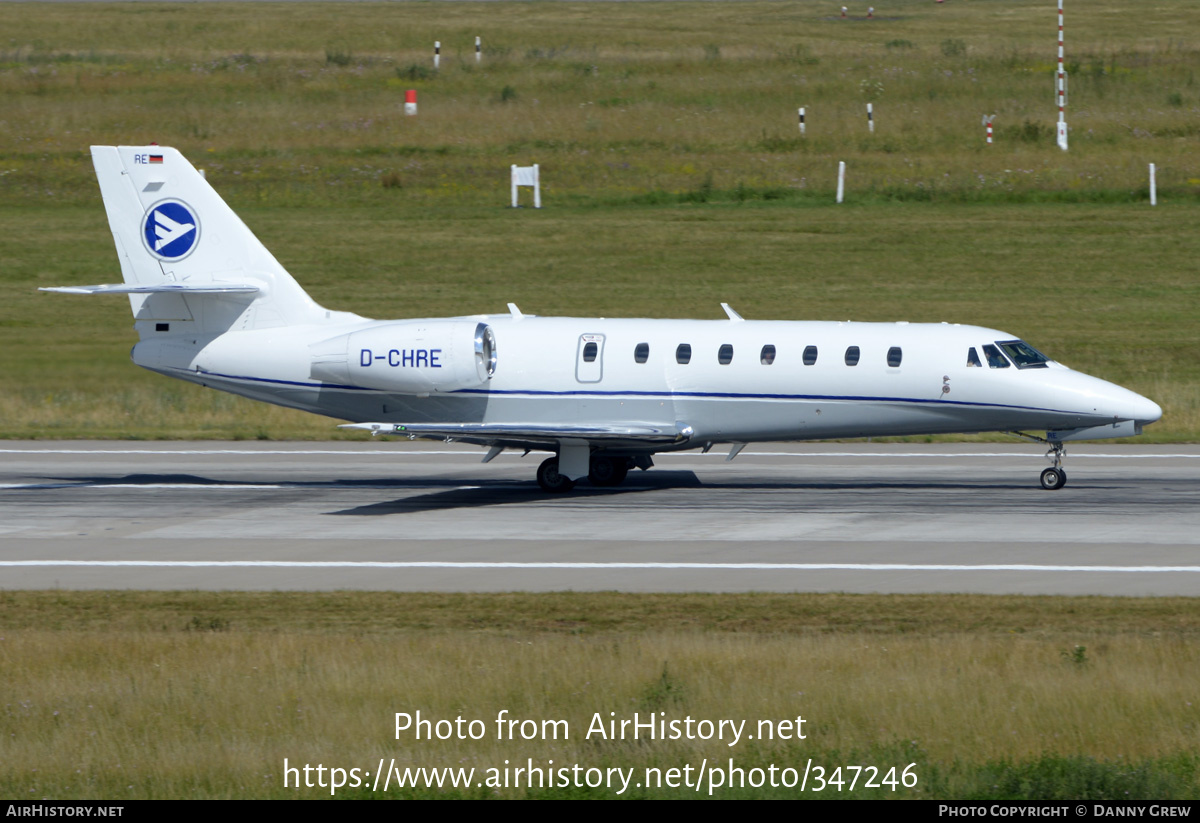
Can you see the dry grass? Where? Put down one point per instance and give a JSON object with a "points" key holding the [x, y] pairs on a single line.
{"points": [[195, 694], [214, 714]]}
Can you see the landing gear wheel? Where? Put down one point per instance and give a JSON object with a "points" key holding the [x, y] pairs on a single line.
{"points": [[608, 471], [1053, 479], [549, 478]]}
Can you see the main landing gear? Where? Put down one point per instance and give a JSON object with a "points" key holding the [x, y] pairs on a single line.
{"points": [[550, 480], [608, 471], [602, 471]]}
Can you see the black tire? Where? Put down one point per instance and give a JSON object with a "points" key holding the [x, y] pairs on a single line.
{"points": [[608, 471], [549, 478], [1053, 479]]}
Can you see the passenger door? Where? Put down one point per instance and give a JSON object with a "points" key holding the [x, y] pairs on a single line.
{"points": [[589, 358]]}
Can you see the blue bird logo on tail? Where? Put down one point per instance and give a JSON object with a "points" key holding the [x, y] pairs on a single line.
{"points": [[170, 230]]}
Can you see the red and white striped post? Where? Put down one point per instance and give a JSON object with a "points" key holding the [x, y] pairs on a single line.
{"points": [[1062, 85], [478, 49], [801, 110], [410, 101], [437, 54], [987, 121]]}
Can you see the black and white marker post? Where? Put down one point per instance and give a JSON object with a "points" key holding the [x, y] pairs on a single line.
{"points": [[1062, 85]]}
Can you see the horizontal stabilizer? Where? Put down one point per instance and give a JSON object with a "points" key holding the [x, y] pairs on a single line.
{"points": [[153, 288], [532, 433]]}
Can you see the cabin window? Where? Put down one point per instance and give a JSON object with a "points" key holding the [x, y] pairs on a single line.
{"points": [[1024, 355], [810, 355], [894, 356], [641, 353], [973, 358], [994, 357], [589, 352], [852, 355], [683, 354], [725, 354], [767, 355]]}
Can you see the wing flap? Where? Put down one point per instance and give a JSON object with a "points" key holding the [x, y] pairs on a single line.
{"points": [[528, 433]]}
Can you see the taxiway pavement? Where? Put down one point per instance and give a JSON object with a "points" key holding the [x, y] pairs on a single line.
{"points": [[429, 516]]}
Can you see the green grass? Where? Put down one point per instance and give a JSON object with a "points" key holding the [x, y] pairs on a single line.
{"points": [[674, 175], [125, 695], [1107, 289], [613, 101]]}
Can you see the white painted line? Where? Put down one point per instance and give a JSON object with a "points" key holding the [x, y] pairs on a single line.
{"points": [[278, 452], [229, 486], [465, 453], [202, 486], [874, 456], [651, 566]]}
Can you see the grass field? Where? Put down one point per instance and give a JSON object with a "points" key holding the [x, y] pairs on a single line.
{"points": [[675, 175], [122, 695]]}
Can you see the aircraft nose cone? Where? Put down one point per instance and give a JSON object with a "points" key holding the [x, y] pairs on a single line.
{"points": [[1144, 410], [1119, 403], [1128, 405]]}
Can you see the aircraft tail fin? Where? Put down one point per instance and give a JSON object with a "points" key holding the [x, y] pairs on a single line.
{"points": [[186, 258]]}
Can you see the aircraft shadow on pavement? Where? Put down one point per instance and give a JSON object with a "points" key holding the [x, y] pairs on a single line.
{"points": [[508, 492], [466, 493], [282, 483]]}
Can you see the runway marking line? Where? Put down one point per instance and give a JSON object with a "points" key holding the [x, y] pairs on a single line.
{"points": [[225, 486], [712, 455], [467, 564]]}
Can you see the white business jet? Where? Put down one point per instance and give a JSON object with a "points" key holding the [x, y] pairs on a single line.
{"points": [[212, 306]]}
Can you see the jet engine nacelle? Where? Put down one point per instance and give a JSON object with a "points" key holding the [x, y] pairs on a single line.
{"points": [[409, 357]]}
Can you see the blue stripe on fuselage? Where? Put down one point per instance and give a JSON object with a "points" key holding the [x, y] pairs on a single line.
{"points": [[664, 394]]}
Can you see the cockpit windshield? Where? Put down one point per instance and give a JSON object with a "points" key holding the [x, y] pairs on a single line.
{"points": [[1023, 355], [994, 357]]}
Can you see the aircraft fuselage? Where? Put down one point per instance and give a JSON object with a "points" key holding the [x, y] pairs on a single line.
{"points": [[726, 380]]}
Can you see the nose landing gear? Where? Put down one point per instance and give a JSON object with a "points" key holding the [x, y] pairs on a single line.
{"points": [[1056, 477]]}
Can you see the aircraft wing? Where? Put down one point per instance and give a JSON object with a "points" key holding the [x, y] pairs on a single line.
{"points": [[148, 288], [532, 435]]}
